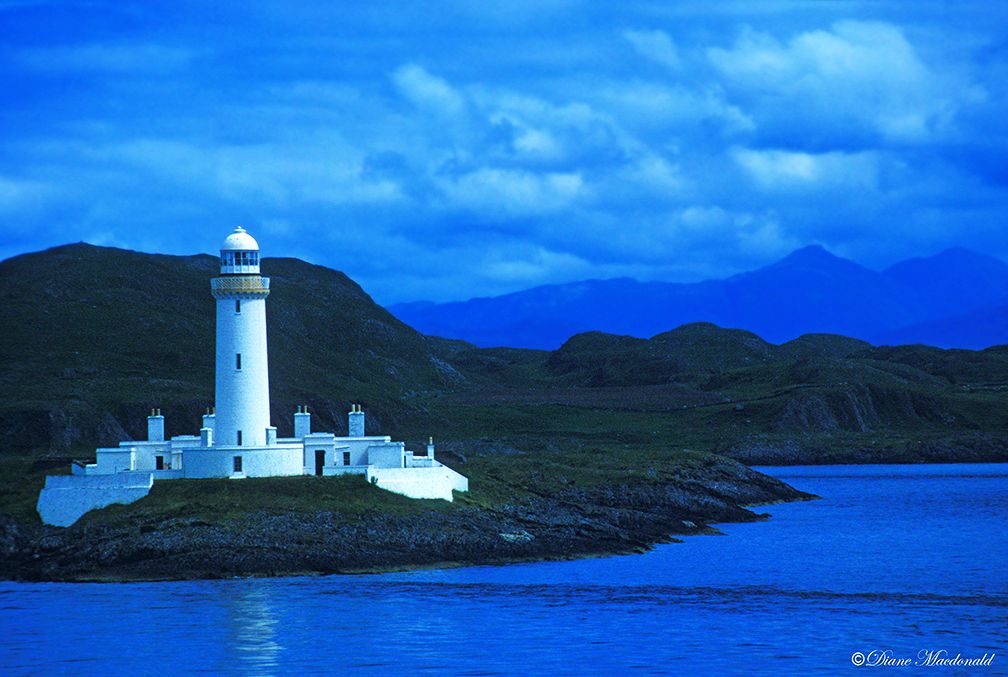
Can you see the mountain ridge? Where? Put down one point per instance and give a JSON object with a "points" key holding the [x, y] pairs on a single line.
{"points": [[810, 290]]}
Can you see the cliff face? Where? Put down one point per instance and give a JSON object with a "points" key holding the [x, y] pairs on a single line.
{"points": [[861, 408]]}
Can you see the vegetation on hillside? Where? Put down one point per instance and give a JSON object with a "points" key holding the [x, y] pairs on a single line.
{"points": [[95, 337]]}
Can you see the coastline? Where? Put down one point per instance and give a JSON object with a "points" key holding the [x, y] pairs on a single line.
{"points": [[571, 523]]}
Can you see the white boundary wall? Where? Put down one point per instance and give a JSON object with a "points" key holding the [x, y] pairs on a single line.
{"points": [[65, 498], [436, 482]]}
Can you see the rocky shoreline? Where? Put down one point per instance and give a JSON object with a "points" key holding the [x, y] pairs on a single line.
{"points": [[569, 523]]}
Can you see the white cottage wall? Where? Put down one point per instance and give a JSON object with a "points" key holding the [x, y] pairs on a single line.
{"points": [[274, 461]]}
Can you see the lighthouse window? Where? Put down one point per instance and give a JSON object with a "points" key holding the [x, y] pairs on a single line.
{"points": [[237, 464], [237, 305], [238, 361], [239, 442]]}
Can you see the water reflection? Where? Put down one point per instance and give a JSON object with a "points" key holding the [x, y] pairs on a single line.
{"points": [[252, 624]]}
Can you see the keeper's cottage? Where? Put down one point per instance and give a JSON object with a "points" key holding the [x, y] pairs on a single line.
{"points": [[237, 439]]}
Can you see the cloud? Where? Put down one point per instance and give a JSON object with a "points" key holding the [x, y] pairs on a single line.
{"points": [[531, 267], [650, 107], [779, 169], [17, 195], [428, 92], [482, 151], [655, 45], [495, 192], [115, 58], [272, 174], [856, 75]]}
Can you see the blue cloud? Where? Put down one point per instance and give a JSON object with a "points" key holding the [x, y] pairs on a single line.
{"points": [[462, 152]]}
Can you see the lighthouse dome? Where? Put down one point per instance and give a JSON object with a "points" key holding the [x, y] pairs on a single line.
{"points": [[240, 241], [239, 254]]}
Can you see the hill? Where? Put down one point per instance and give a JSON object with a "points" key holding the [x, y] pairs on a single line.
{"points": [[809, 291], [95, 337]]}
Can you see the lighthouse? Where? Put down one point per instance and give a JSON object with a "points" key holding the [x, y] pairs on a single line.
{"points": [[242, 368], [238, 441]]}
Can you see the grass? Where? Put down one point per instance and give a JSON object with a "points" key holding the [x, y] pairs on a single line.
{"points": [[495, 480], [20, 483], [219, 501]]}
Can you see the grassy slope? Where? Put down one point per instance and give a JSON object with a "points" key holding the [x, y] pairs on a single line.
{"points": [[219, 501]]}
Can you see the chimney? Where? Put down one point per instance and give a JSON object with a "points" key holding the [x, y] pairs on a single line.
{"points": [[206, 436], [430, 448], [356, 424], [209, 419], [302, 422], [155, 426]]}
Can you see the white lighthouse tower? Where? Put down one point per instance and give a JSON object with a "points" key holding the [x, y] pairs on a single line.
{"points": [[242, 378]]}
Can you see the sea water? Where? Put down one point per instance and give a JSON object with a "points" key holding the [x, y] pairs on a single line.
{"points": [[895, 560]]}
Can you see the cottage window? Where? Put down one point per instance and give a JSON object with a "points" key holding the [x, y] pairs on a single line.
{"points": [[346, 458]]}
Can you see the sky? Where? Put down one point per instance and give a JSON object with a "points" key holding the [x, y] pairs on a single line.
{"points": [[445, 150]]}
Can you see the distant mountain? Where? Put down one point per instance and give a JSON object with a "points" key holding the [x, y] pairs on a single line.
{"points": [[809, 291], [974, 330], [955, 279]]}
